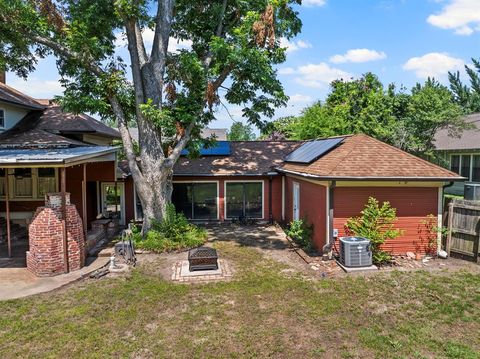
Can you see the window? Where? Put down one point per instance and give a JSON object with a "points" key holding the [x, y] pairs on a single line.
{"points": [[455, 163], [465, 169], [46, 181], [23, 182], [2, 118], [244, 199], [196, 200], [2, 181], [476, 168]]}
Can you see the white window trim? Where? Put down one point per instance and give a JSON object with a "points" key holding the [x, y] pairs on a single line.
{"points": [[218, 195], [242, 181], [35, 196], [294, 184], [460, 154], [2, 127], [121, 186]]}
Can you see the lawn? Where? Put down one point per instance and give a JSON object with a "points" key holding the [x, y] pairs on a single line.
{"points": [[266, 311]]}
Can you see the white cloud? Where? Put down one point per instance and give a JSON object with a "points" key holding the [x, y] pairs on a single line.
{"points": [[148, 36], [299, 98], [462, 16], [293, 46], [37, 88], [312, 3], [315, 75], [358, 55], [433, 64]]}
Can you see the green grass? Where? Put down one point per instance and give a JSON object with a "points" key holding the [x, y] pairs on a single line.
{"points": [[263, 312]]}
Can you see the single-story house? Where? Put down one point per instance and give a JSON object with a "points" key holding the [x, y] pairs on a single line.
{"points": [[461, 154], [324, 182]]}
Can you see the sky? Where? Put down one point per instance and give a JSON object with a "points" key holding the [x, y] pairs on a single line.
{"points": [[402, 41]]}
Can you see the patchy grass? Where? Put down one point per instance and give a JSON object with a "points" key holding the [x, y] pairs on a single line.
{"points": [[261, 313]]}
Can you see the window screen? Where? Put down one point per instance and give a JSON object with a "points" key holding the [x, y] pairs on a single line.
{"points": [[23, 182], [244, 200], [2, 181], [465, 171], [46, 181], [476, 169], [2, 118], [455, 164]]}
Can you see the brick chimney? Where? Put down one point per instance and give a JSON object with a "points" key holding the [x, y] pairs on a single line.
{"points": [[3, 77]]}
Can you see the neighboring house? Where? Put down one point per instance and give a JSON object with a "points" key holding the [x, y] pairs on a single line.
{"points": [[43, 151], [324, 182], [220, 134], [461, 154]]}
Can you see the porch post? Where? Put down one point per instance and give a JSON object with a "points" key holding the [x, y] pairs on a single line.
{"points": [[64, 218], [7, 211], [84, 199]]}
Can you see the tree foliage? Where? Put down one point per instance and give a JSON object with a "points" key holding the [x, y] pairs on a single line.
{"points": [[406, 120], [171, 96], [467, 97], [240, 132]]}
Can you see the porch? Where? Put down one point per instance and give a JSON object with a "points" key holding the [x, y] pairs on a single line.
{"points": [[85, 178]]}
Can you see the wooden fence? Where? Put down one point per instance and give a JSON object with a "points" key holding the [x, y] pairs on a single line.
{"points": [[463, 236]]}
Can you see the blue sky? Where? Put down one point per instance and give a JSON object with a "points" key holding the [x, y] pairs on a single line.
{"points": [[402, 41]]}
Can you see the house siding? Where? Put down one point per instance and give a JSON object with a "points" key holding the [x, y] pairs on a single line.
{"points": [[313, 207], [413, 204]]}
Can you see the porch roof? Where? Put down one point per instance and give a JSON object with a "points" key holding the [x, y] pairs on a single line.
{"points": [[55, 157]]}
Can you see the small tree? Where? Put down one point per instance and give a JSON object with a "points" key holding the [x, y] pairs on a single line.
{"points": [[377, 224], [240, 132], [428, 231]]}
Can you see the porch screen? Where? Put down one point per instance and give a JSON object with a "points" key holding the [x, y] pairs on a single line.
{"points": [[46, 181], [23, 182], [2, 182], [244, 199], [196, 200]]}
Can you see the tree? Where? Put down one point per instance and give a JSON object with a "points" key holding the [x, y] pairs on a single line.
{"points": [[240, 132], [172, 96], [467, 97]]}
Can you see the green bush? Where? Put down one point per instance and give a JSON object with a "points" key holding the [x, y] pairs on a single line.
{"points": [[376, 224], [301, 233], [174, 233]]}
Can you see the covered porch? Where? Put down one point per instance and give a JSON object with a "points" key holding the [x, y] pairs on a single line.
{"points": [[29, 178]]}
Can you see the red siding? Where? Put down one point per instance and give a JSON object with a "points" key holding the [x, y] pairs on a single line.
{"points": [[413, 204], [129, 200], [312, 207]]}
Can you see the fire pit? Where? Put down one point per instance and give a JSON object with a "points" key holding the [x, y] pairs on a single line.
{"points": [[202, 258]]}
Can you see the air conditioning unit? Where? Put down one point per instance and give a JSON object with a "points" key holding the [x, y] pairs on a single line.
{"points": [[472, 191], [355, 252]]}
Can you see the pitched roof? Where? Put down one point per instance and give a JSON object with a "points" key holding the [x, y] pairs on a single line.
{"points": [[10, 95], [55, 120], [469, 139], [363, 157], [246, 158]]}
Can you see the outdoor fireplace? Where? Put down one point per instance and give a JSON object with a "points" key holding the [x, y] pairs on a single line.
{"points": [[202, 258]]}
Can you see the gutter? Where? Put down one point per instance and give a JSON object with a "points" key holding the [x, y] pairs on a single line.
{"points": [[224, 174], [355, 178]]}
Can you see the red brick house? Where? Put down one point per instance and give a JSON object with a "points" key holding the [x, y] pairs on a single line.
{"points": [[264, 180]]}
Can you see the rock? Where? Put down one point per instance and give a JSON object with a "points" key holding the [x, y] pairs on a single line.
{"points": [[410, 255]]}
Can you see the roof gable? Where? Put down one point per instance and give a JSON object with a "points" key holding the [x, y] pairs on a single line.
{"points": [[10, 95]]}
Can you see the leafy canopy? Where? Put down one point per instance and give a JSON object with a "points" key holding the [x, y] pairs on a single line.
{"points": [[240, 132]]}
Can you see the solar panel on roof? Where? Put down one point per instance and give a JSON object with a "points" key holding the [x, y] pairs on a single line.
{"points": [[221, 148], [312, 150]]}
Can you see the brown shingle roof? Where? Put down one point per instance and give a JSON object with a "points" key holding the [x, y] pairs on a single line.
{"points": [[10, 95], [363, 157], [468, 140], [246, 158]]}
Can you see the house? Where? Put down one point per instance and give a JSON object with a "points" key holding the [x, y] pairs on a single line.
{"points": [[57, 168], [461, 154], [324, 182]]}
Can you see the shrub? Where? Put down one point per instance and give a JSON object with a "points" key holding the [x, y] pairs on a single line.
{"points": [[376, 224], [427, 233], [301, 233], [173, 233]]}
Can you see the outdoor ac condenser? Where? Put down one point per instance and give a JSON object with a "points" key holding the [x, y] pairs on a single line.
{"points": [[355, 252], [472, 191]]}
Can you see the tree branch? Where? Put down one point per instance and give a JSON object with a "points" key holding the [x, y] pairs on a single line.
{"points": [[173, 157], [218, 33]]}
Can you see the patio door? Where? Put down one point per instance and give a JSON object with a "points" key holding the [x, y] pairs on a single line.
{"points": [[113, 201], [296, 201]]}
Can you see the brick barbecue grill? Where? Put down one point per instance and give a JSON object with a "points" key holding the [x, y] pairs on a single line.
{"points": [[202, 258]]}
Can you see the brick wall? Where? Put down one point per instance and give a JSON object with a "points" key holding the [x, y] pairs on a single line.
{"points": [[45, 256]]}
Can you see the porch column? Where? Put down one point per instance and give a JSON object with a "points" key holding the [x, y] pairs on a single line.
{"points": [[7, 211], [84, 199], [63, 186]]}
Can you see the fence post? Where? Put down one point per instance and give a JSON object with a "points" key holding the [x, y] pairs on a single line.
{"points": [[475, 249], [450, 224]]}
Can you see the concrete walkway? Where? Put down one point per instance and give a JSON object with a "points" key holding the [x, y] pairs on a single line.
{"points": [[19, 282]]}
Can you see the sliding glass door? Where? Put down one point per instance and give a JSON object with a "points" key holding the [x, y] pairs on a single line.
{"points": [[244, 199], [196, 200]]}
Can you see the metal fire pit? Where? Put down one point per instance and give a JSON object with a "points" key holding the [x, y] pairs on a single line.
{"points": [[202, 258]]}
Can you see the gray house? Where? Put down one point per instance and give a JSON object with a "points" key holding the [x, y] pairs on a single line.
{"points": [[461, 154]]}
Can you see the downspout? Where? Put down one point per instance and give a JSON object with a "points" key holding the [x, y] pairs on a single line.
{"points": [[327, 248]]}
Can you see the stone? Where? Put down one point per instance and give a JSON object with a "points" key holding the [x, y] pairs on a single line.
{"points": [[410, 255]]}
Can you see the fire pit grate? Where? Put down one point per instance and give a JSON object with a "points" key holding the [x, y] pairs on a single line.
{"points": [[202, 258]]}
